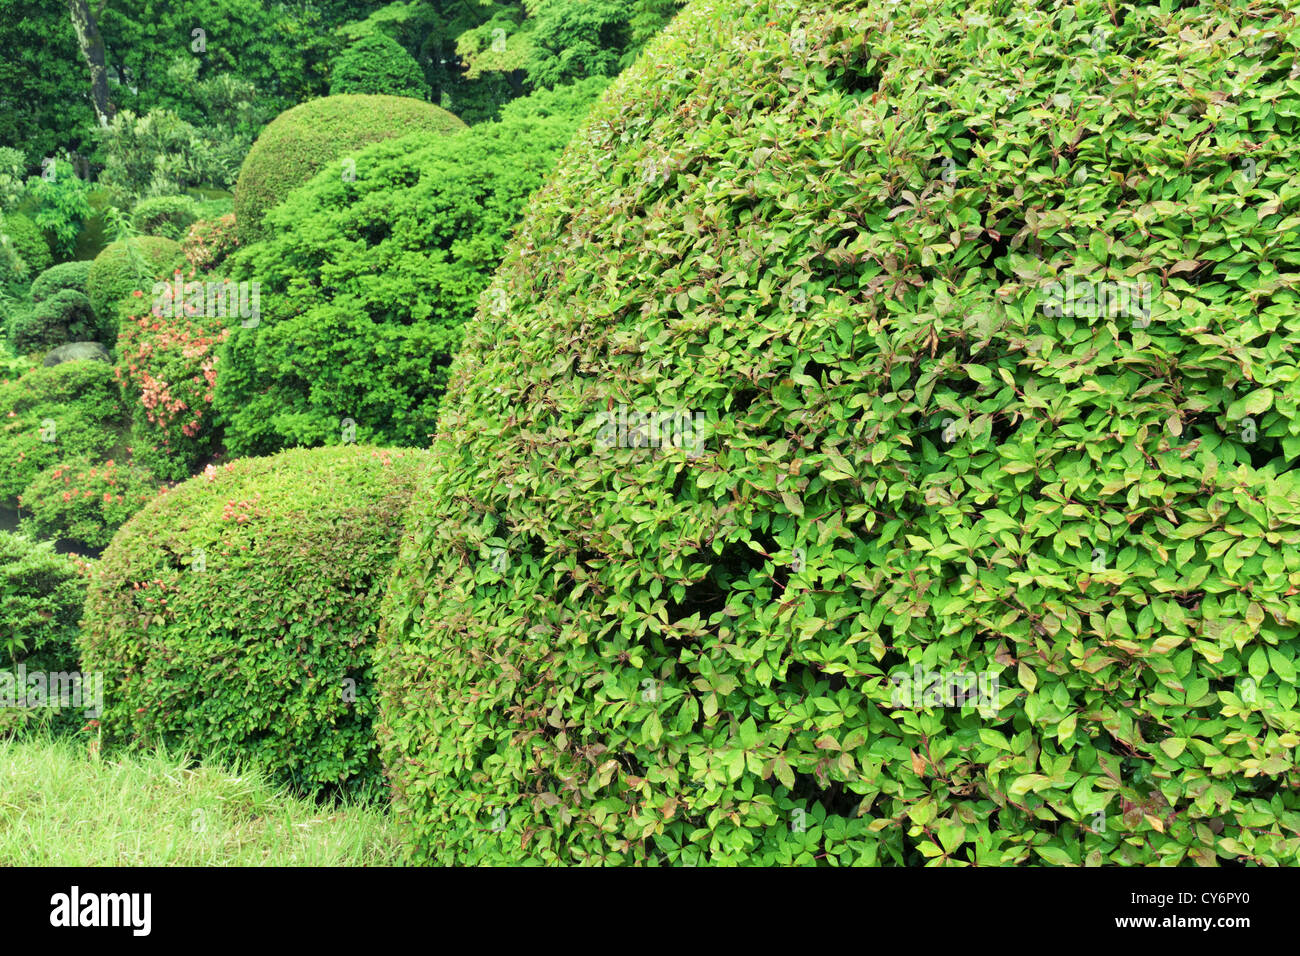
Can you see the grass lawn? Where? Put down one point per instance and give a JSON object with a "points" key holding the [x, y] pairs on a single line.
{"points": [[62, 806]]}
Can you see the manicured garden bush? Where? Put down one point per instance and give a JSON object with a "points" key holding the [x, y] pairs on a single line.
{"points": [[65, 316], [168, 372], [68, 411], [794, 405], [85, 501], [126, 266], [376, 63], [167, 216], [366, 284], [26, 240], [303, 140], [41, 598], [237, 612], [73, 275]]}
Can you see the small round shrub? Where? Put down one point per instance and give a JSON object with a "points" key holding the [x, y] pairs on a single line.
{"points": [[376, 63], [301, 141], [126, 266], [208, 242], [65, 316], [73, 275], [71, 410], [84, 501], [871, 454], [237, 612], [167, 216], [26, 240], [389, 268]]}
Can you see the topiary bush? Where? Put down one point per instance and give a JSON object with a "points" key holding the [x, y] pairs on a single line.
{"points": [[167, 216], [127, 266], [67, 411], [41, 598], [65, 316], [303, 140], [26, 240], [375, 63], [366, 284], [796, 498], [238, 611], [73, 275], [85, 501]]}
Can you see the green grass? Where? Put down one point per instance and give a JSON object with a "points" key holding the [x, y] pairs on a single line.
{"points": [[63, 806]]}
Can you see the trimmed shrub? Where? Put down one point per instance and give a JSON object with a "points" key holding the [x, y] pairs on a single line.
{"points": [[208, 242], [366, 284], [303, 140], [27, 242], [67, 411], [65, 316], [797, 501], [85, 501], [41, 598], [73, 275], [237, 612], [375, 63], [168, 372], [167, 216], [127, 266]]}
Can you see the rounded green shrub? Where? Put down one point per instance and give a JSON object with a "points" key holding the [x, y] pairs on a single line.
{"points": [[66, 411], [237, 612], [299, 142], [26, 240], [871, 453], [167, 216], [85, 501], [366, 284], [73, 275], [65, 316], [127, 266], [376, 63], [41, 598]]}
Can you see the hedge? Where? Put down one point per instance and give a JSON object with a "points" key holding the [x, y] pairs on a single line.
{"points": [[796, 498], [299, 142], [236, 613]]}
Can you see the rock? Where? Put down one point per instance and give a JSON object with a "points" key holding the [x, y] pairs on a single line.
{"points": [[78, 351]]}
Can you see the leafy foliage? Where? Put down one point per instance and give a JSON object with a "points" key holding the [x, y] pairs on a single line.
{"points": [[238, 611], [73, 275], [129, 266], [837, 257], [60, 205], [65, 316], [68, 411], [45, 109], [24, 237], [305, 139], [166, 216], [366, 284], [377, 64], [85, 501], [209, 241]]}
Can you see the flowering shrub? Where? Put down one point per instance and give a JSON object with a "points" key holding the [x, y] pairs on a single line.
{"points": [[85, 502], [167, 368], [209, 242]]}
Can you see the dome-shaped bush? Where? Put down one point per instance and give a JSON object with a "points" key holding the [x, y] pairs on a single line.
{"points": [[376, 63], [167, 216], [126, 266], [237, 612], [73, 275], [389, 268], [794, 427], [65, 316], [302, 140], [26, 240]]}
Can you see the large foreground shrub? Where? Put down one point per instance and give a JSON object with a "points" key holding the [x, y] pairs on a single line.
{"points": [[366, 284], [300, 141], [238, 611], [778, 427]]}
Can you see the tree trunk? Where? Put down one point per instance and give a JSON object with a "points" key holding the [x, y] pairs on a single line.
{"points": [[92, 50]]}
